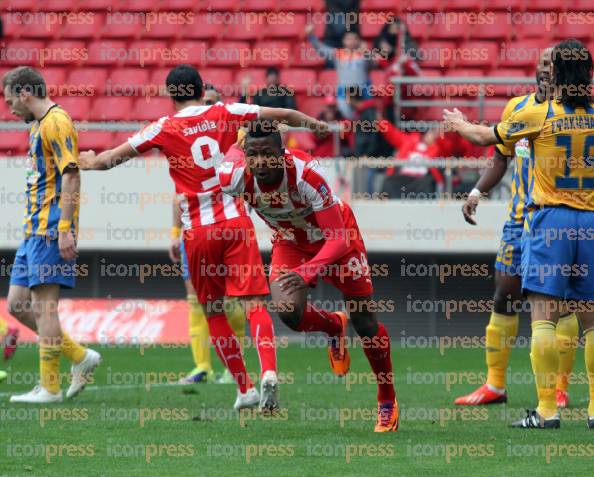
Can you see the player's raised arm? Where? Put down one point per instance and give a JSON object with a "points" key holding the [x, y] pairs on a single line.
{"points": [[295, 118], [475, 133], [89, 160]]}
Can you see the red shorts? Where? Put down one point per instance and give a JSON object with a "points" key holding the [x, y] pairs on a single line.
{"points": [[351, 274], [224, 260]]}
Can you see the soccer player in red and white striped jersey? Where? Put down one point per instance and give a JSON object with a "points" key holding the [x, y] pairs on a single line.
{"points": [[315, 235], [223, 256]]}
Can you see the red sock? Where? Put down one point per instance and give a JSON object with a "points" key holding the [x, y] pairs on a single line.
{"points": [[263, 334], [377, 351], [226, 345], [319, 320]]}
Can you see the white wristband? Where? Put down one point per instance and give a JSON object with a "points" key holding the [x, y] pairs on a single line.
{"points": [[475, 193]]}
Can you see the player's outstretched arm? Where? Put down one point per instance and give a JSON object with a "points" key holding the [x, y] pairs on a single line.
{"points": [[475, 133], [90, 161], [489, 179], [295, 118]]}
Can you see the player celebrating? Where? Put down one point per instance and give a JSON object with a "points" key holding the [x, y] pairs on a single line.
{"points": [[503, 324], [218, 233], [46, 259], [315, 235], [198, 327], [556, 256]]}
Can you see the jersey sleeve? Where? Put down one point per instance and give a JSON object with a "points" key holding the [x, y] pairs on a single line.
{"points": [[152, 136], [242, 112], [314, 187], [526, 122], [505, 114], [61, 138], [232, 172]]}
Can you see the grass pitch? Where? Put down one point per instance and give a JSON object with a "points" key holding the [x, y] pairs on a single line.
{"points": [[123, 426]]}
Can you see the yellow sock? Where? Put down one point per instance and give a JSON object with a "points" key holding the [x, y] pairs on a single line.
{"points": [[72, 350], [49, 367], [199, 335], [236, 318], [501, 332], [3, 327], [589, 353], [567, 333], [545, 362]]}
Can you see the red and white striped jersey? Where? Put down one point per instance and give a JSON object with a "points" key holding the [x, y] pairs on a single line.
{"points": [[288, 208], [194, 140]]}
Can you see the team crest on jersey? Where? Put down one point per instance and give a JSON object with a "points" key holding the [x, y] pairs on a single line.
{"points": [[515, 127]]}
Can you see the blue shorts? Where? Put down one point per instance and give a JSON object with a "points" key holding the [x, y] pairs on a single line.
{"points": [[38, 261], [509, 256], [558, 253], [184, 262]]}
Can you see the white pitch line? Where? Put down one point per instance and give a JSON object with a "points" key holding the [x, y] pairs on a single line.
{"points": [[115, 387]]}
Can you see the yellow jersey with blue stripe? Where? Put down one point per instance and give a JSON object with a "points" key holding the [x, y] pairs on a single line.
{"points": [[521, 153], [561, 140], [53, 146]]}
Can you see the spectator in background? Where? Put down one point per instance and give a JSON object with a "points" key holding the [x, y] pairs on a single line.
{"points": [[352, 63], [343, 16], [326, 147], [367, 139], [273, 95], [395, 53]]}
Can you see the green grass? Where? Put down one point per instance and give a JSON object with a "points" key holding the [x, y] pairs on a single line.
{"points": [[306, 439]]}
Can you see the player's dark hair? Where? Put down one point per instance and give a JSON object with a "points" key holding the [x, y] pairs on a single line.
{"points": [[184, 84], [27, 79], [264, 128], [572, 63]]}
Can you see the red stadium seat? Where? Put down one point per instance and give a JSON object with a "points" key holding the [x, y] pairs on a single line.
{"points": [[433, 54], [242, 30], [100, 5], [220, 78], [192, 52], [301, 6], [14, 142], [304, 55], [370, 30], [202, 28], [159, 75], [147, 53], [140, 5], [491, 114], [54, 77], [64, 52], [89, 78], [41, 29], [478, 53], [525, 53], [547, 5], [432, 73], [468, 72], [84, 30], [5, 114], [22, 52], [182, 5], [223, 5], [127, 80], [259, 6], [498, 28], [508, 90], [425, 5], [311, 105], [531, 30], [469, 5], [111, 109], [451, 31], [126, 27], [107, 52], [96, 140], [151, 110], [327, 78], [257, 77], [167, 29], [228, 53], [270, 53], [387, 5], [78, 107], [295, 28], [299, 80], [584, 32], [21, 5], [122, 137]]}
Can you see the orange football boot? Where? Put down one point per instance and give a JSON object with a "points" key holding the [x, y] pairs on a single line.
{"points": [[340, 359], [387, 417], [482, 395]]}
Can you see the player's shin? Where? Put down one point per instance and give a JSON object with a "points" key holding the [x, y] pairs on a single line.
{"points": [[567, 333], [589, 355], [262, 332], [500, 334], [314, 319], [199, 335], [49, 365], [377, 350], [72, 350], [545, 362], [227, 348]]}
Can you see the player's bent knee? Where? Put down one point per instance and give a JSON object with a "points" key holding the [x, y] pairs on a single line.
{"points": [[365, 324], [288, 306]]}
